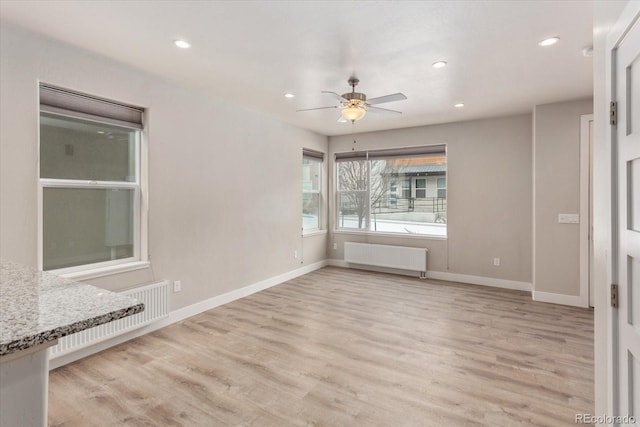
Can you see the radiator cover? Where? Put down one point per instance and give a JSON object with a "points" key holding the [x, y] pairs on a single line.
{"points": [[156, 306], [397, 257]]}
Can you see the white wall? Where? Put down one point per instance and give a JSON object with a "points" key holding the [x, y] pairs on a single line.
{"points": [[488, 196], [224, 183], [556, 151]]}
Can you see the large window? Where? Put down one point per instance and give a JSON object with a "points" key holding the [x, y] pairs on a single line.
{"points": [[89, 181], [311, 189], [393, 191]]}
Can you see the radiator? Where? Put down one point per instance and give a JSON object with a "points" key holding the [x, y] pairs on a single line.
{"points": [[398, 257], [156, 306]]}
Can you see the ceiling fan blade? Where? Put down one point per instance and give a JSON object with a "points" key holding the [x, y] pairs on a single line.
{"points": [[318, 108], [337, 96], [383, 110], [387, 98], [341, 119]]}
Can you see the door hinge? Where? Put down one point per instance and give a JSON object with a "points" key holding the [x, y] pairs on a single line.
{"points": [[613, 113], [614, 296]]}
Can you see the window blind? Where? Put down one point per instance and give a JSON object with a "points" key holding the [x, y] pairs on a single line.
{"points": [[74, 104], [423, 151], [312, 154]]}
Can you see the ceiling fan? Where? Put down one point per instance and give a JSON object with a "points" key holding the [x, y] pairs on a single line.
{"points": [[354, 105]]}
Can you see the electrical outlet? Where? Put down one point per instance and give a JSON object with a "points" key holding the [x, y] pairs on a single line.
{"points": [[496, 262], [177, 286], [335, 246]]}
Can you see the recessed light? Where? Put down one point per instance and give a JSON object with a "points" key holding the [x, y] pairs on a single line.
{"points": [[459, 105], [289, 95], [439, 64], [182, 44], [549, 41]]}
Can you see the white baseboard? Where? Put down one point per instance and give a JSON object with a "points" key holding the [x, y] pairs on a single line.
{"points": [[185, 312], [480, 280], [337, 263], [574, 300], [463, 278]]}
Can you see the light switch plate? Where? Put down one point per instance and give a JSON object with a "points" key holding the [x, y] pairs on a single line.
{"points": [[568, 218]]}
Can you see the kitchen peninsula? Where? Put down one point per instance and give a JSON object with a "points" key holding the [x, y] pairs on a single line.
{"points": [[37, 308]]}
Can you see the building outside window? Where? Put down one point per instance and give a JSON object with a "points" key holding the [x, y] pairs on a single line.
{"points": [[311, 189], [90, 191], [368, 197]]}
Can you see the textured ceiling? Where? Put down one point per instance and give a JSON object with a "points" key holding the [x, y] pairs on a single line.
{"points": [[251, 53]]}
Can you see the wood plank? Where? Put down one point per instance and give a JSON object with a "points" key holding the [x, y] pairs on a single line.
{"points": [[341, 347]]}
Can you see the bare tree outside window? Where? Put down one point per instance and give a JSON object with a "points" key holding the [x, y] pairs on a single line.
{"points": [[398, 195]]}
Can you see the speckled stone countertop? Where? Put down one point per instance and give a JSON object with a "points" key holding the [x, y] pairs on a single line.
{"points": [[36, 307]]}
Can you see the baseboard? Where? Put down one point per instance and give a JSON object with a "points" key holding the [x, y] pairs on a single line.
{"points": [[574, 300], [463, 278], [337, 263], [186, 312], [480, 280]]}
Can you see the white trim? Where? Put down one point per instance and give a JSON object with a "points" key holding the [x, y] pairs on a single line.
{"points": [[585, 214], [312, 233], [480, 280], [186, 312], [629, 15], [533, 199], [462, 278], [574, 300], [79, 183], [105, 271], [369, 233]]}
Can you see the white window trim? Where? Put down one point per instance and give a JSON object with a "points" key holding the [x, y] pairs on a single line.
{"points": [[310, 231], [366, 231], [389, 234], [140, 259]]}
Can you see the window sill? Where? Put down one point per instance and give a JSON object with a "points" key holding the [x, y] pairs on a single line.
{"points": [[312, 233], [106, 271], [394, 235]]}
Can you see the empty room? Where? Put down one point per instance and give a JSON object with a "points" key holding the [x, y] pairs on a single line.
{"points": [[319, 213]]}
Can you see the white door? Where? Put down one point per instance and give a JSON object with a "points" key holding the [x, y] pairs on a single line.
{"points": [[626, 189]]}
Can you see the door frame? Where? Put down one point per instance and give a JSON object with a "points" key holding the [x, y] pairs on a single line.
{"points": [[616, 35], [586, 253]]}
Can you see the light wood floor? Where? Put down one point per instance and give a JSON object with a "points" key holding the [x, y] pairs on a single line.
{"points": [[343, 347]]}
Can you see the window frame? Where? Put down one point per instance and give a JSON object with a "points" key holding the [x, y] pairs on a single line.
{"points": [[319, 158], [416, 188], [443, 188], [340, 157], [139, 259]]}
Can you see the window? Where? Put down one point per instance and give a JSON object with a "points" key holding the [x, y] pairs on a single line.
{"points": [[311, 189], [89, 181], [367, 191], [442, 188]]}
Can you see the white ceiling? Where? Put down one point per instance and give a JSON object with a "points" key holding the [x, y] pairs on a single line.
{"points": [[252, 52]]}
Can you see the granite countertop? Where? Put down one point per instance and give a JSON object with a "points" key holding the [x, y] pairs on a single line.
{"points": [[37, 307]]}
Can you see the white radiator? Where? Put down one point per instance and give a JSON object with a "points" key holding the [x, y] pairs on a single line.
{"points": [[399, 257], [156, 306]]}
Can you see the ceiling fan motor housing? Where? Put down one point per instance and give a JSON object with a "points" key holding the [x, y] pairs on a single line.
{"points": [[354, 98]]}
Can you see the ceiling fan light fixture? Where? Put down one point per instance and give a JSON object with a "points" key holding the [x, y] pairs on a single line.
{"points": [[353, 113]]}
